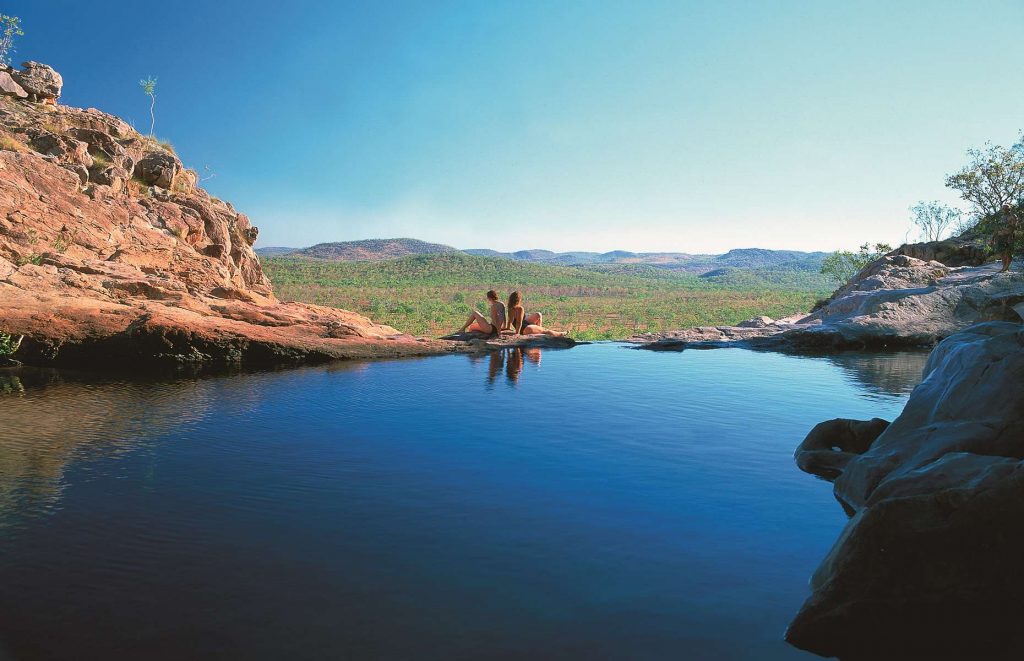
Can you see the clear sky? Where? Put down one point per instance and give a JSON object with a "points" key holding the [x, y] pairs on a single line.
{"points": [[646, 126]]}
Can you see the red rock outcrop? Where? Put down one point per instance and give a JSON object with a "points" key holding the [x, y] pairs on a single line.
{"points": [[111, 254]]}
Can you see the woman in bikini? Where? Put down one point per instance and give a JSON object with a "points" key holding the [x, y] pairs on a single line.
{"points": [[477, 323], [521, 323]]}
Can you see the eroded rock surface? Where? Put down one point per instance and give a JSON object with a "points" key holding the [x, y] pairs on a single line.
{"points": [[929, 566], [897, 301], [110, 254]]}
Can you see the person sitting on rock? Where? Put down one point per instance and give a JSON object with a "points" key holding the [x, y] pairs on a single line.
{"points": [[1004, 239], [520, 323], [478, 323]]}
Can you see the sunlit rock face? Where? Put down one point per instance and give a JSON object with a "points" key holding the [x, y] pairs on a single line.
{"points": [[929, 564], [110, 253]]}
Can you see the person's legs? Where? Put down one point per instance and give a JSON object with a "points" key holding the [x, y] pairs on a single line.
{"points": [[477, 323], [1007, 260]]}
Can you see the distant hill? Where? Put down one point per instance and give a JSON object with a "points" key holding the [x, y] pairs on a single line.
{"points": [[368, 250], [372, 250], [740, 258]]}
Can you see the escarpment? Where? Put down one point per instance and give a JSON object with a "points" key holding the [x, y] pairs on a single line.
{"points": [[112, 254]]}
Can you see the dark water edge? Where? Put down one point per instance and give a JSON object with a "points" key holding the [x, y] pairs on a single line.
{"points": [[596, 502]]}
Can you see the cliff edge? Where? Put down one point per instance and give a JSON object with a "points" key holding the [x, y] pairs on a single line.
{"points": [[111, 253]]}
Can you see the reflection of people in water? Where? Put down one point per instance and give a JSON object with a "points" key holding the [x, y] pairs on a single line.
{"points": [[494, 367], [516, 356], [515, 364]]}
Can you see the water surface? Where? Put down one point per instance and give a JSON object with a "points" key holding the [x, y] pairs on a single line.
{"points": [[592, 503]]}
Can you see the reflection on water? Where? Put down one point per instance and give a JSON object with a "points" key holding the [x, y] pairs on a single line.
{"points": [[615, 503], [896, 372], [49, 418], [511, 361]]}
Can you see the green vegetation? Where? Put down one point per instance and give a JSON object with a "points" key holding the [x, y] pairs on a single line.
{"points": [[9, 143], [9, 344], [148, 85], [843, 265], [934, 218], [10, 27], [993, 176], [431, 294]]}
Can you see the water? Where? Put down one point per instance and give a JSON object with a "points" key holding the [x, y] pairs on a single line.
{"points": [[598, 502]]}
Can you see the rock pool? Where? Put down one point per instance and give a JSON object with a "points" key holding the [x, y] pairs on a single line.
{"points": [[597, 502]]}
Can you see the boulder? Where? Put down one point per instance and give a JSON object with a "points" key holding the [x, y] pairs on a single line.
{"points": [[158, 169], [8, 87], [969, 249], [115, 177], [832, 444], [63, 147], [39, 80], [929, 565]]}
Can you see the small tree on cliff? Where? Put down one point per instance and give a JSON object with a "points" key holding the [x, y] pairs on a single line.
{"points": [[842, 265], [148, 86], [934, 219], [10, 27], [993, 176]]}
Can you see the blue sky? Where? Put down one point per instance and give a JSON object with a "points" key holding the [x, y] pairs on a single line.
{"points": [[678, 126]]}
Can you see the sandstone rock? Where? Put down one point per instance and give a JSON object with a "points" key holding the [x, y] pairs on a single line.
{"points": [[490, 342], [158, 169], [928, 567], [969, 249], [8, 87], [113, 176], [896, 301], [116, 278], [64, 148], [39, 80]]}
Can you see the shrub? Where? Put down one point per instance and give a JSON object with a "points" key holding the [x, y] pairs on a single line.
{"points": [[8, 143], [842, 265], [9, 345]]}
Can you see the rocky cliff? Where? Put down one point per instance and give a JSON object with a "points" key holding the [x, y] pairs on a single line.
{"points": [[929, 565], [111, 253]]}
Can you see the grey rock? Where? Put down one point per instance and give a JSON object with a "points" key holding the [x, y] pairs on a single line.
{"points": [[756, 322], [897, 301], [158, 169], [928, 567], [39, 80], [832, 444]]}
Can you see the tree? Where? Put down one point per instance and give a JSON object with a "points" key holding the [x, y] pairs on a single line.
{"points": [[934, 219], [10, 27], [993, 176], [842, 265], [148, 86]]}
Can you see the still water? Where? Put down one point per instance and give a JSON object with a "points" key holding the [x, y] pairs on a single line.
{"points": [[598, 502]]}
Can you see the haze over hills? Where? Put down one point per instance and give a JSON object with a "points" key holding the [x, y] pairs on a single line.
{"points": [[370, 250]]}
